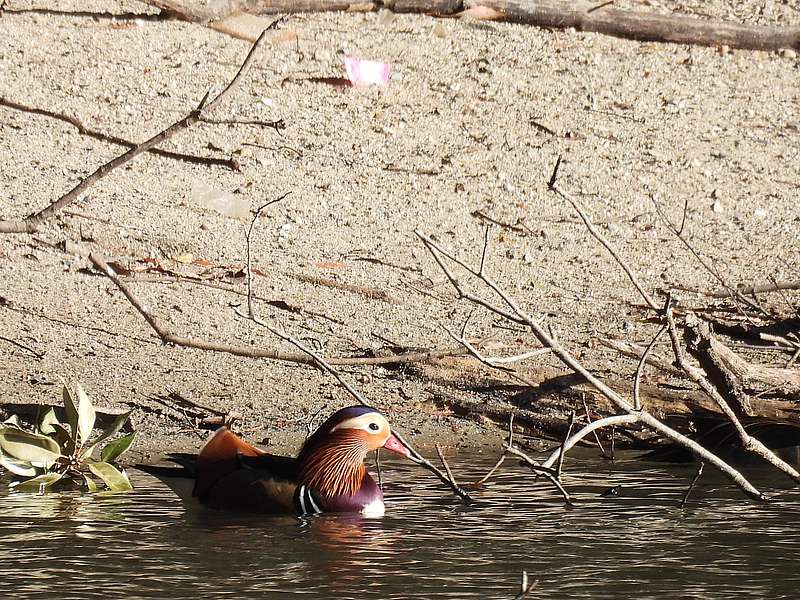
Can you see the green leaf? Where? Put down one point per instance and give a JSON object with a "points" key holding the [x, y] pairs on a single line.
{"points": [[116, 480], [72, 412], [115, 449], [34, 448], [112, 429], [13, 421], [37, 484], [18, 467], [47, 421], [64, 438], [90, 484], [86, 416]]}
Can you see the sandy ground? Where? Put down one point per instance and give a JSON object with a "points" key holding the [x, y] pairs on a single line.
{"points": [[472, 120]]}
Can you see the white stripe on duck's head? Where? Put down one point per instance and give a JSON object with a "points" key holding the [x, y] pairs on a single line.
{"points": [[362, 425]]}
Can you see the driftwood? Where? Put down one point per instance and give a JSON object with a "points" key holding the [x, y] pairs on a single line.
{"points": [[715, 356], [542, 410], [596, 17], [734, 373]]}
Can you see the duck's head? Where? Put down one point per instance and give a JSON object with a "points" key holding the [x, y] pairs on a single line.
{"points": [[359, 427], [332, 459]]}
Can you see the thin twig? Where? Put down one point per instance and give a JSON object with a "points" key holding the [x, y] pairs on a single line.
{"points": [[38, 355], [31, 223], [594, 433], [525, 588], [510, 442], [494, 363], [562, 452], [691, 485], [614, 420], [541, 470], [378, 468], [637, 380], [249, 264], [600, 237], [446, 466], [703, 262], [775, 286]]}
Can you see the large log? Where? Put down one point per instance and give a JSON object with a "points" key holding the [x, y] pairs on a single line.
{"points": [[642, 26], [634, 25]]}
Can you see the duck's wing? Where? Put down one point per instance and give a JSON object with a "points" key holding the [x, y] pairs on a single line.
{"points": [[230, 473]]}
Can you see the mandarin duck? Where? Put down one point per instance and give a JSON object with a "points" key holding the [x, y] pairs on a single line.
{"points": [[328, 474]]}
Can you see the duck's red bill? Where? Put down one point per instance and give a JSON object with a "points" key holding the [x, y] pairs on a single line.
{"points": [[394, 445]]}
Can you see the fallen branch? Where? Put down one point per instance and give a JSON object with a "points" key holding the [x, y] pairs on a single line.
{"points": [[747, 290], [734, 372], [518, 315], [641, 26], [113, 139], [32, 222], [248, 351]]}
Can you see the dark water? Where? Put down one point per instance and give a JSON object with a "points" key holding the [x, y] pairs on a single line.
{"points": [[640, 545]]}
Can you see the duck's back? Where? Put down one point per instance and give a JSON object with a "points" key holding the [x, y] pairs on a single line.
{"points": [[230, 473]]}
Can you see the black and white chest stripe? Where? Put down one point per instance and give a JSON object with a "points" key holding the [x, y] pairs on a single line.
{"points": [[306, 502]]}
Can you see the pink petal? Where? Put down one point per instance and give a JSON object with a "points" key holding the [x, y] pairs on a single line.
{"points": [[366, 72]]}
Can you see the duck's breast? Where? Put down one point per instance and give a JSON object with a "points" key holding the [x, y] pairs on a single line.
{"points": [[368, 500]]}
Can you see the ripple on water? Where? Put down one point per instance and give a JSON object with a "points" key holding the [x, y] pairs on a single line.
{"points": [[146, 544]]}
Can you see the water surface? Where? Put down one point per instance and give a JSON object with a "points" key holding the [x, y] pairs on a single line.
{"points": [[146, 544]]}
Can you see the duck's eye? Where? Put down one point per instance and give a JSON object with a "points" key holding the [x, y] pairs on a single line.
{"points": [[374, 426]]}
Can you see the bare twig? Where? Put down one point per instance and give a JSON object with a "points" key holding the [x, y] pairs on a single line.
{"points": [[561, 451], [697, 475], [612, 421], [637, 381], [540, 470], [249, 264], [510, 442], [495, 363], [446, 466], [748, 290], [733, 293], [38, 355], [368, 292], [32, 222], [594, 433], [633, 350], [525, 588], [424, 462], [378, 468], [599, 236]]}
